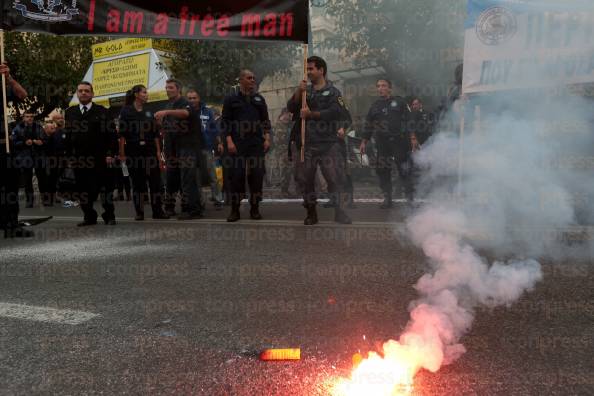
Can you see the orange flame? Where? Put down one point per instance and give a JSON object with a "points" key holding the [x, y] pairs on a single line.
{"points": [[390, 375]]}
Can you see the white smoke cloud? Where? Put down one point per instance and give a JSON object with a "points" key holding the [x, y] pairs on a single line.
{"points": [[460, 281], [525, 167], [514, 192]]}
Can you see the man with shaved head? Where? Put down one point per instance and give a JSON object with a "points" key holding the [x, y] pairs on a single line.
{"points": [[386, 121], [245, 126]]}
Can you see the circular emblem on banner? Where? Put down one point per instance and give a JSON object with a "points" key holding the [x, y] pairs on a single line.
{"points": [[496, 25], [47, 11]]}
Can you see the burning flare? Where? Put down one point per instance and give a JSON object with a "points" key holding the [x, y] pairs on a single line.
{"points": [[460, 281], [390, 375]]}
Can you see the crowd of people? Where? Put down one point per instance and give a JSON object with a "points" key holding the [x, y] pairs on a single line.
{"points": [[83, 155]]}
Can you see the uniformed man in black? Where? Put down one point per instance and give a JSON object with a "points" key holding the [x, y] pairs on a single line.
{"points": [[183, 136], [324, 114], [349, 188], [9, 173], [246, 127], [387, 121], [347, 122], [420, 124]]}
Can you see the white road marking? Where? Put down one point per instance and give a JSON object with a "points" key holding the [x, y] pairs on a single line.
{"points": [[44, 314], [324, 200], [242, 222], [401, 226]]}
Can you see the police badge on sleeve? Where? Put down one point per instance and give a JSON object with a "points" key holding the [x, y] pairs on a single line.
{"points": [[47, 10]]}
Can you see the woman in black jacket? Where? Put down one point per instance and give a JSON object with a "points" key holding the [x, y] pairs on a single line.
{"points": [[140, 149]]}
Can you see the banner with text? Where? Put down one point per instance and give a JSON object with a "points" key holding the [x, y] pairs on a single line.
{"points": [[246, 20], [520, 44], [120, 74]]}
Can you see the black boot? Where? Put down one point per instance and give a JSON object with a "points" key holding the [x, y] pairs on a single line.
{"points": [[331, 202], [49, 200], [138, 208], [12, 229], [387, 204], [30, 200], [158, 213], [351, 201], [234, 215], [21, 232], [312, 215], [255, 212], [18, 232], [341, 217]]}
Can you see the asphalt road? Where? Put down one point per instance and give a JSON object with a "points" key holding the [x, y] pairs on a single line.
{"points": [[182, 307]]}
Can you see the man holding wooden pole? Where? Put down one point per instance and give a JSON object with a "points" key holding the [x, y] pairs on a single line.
{"points": [[323, 114], [9, 173]]}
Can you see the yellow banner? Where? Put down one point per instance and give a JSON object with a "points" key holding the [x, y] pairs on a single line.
{"points": [[120, 47], [164, 45], [119, 75]]}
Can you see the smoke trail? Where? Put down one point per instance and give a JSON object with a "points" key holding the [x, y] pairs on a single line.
{"points": [[460, 280], [511, 181]]}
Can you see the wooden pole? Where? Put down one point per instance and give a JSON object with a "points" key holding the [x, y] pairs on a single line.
{"points": [[303, 103], [461, 151], [478, 126], [4, 109]]}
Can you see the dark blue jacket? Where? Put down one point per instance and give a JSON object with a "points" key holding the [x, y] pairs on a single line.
{"points": [[20, 134], [210, 129], [53, 145], [245, 119], [387, 118], [329, 103]]}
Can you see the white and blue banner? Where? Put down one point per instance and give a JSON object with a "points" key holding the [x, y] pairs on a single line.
{"points": [[520, 44]]}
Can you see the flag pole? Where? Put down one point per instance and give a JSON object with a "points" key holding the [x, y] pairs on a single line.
{"points": [[461, 150], [303, 103], [4, 108]]}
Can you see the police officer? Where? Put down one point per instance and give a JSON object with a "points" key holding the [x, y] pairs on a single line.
{"points": [[9, 174], [140, 149], [183, 136], [245, 125], [343, 139], [349, 187], [420, 125], [325, 115], [387, 120]]}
